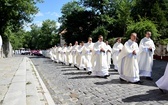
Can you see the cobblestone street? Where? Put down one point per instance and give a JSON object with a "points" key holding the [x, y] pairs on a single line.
{"points": [[69, 86]]}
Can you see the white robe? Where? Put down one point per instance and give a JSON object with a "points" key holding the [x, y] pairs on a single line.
{"points": [[162, 83], [59, 57], [88, 55], [0, 43], [69, 55], [80, 57], [116, 50], [74, 53], [145, 57], [109, 55], [101, 67], [127, 62], [64, 57]]}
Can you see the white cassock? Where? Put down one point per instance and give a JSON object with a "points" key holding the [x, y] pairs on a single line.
{"points": [[116, 50], [162, 83], [69, 55], [127, 62], [64, 57], [59, 57], [109, 55], [145, 57], [74, 49], [88, 55], [54, 53], [101, 67], [0, 43], [80, 58], [50, 54]]}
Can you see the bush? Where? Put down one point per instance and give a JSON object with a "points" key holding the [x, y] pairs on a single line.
{"points": [[141, 27]]}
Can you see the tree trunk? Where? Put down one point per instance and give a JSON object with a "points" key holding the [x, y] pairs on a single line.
{"points": [[7, 49]]}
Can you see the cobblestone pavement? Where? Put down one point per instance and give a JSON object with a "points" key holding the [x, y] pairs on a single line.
{"points": [[69, 86]]}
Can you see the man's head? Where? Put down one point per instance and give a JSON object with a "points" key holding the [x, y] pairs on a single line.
{"points": [[82, 43], [148, 34], [65, 45], [107, 42], [100, 38], [70, 44], [118, 40], [90, 40], [133, 36], [76, 42]]}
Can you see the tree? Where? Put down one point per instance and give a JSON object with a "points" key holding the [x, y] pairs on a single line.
{"points": [[14, 13]]}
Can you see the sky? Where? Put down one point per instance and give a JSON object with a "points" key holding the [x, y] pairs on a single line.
{"points": [[49, 9]]}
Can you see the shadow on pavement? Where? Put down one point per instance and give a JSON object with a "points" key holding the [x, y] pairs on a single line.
{"points": [[75, 73], [70, 70], [151, 95], [83, 77], [113, 81]]}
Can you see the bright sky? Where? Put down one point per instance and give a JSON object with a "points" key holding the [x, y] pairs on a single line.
{"points": [[49, 9]]}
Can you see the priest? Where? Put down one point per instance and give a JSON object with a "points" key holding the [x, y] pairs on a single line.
{"points": [[127, 61], [74, 53], [100, 68], [69, 54], [109, 52], [162, 83], [145, 57], [117, 47]]}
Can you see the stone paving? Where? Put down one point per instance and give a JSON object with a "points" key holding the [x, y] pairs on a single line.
{"points": [[69, 86]]}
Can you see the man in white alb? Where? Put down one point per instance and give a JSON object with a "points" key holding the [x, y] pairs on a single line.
{"points": [[145, 57], [101, 67], [109, 52], [69, 54], [74, 49], [127, 61], [117, 47]]}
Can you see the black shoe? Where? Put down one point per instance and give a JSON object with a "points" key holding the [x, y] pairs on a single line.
{"points": [[122, 79], [69, 64], [138, 82], [78, 68], [84, 68], [106, 76], [149, 78], [161, 90], [89, 73]]}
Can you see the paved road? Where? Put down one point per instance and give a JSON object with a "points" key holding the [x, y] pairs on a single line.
{"points": [[69, 86]]}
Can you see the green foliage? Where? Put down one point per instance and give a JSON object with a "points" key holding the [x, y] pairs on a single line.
{"points": [[99, 31], [141, 27], [163, 41]]}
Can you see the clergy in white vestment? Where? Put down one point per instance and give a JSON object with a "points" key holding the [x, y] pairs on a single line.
{"points": [[69, 54], [116, 50], [59, 57], [0, 44], [64, 57], [162, 83], [80, 58], [52, 54], [88, 52], [101, 67], [145, 57], [109, 52], [55, 53], [74, 49], [127, 61]]}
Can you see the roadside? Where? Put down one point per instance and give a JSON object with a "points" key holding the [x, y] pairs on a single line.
{"points": [[20, 83]]}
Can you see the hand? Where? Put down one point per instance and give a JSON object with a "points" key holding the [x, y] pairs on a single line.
{"points": [[120, 50], [108, 50], [134, 52], [90, 50], [150, 49], [102, 50]]}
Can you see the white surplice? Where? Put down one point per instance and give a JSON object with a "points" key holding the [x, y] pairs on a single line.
{"points": [[0, 43], [116, 50], [80, 57], [59, 57], [127, 62], [64, 57], [88, 52], [74, 53], [69, 55], [101, 67], [162, 83], [108, 47], [145, 57]]}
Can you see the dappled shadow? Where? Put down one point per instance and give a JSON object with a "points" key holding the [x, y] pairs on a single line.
{"points": [[70, 70], [75, 73], [113, 73], [151, 95], [37, 57]]}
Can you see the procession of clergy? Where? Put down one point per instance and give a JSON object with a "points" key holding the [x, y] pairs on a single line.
{"points": [[130, 60]]}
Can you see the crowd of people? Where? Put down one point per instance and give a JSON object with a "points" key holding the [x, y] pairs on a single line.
{"points": [[130, 60]]}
